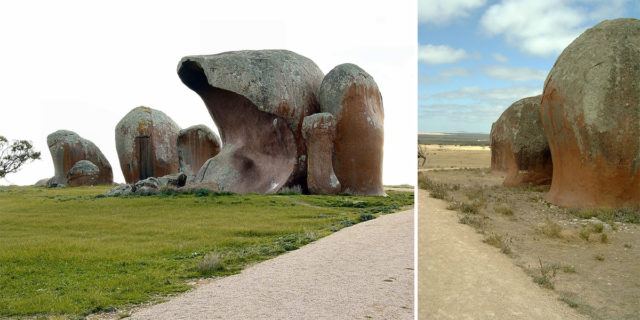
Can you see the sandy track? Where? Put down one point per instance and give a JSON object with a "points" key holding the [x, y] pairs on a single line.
{"points": [[459, 277], [362, 271]]}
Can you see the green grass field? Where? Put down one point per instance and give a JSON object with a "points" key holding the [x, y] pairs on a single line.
{"points": [[73, 252]]}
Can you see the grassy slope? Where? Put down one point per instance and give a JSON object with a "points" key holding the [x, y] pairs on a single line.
{"points": [[66, 251]]}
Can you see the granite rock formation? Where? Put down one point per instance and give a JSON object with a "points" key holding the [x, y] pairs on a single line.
{"points": [[146, 141], [319, 130], [352, 96], [83, 173], [519, 146], [258, 100], [67, 148], [591, 115], [196, 145]]}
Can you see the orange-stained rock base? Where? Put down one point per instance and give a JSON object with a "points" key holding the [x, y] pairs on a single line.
{"points": [[359, 145]]}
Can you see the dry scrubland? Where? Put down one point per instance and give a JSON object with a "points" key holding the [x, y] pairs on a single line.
{"points": [[70, 252], [589, 258]]}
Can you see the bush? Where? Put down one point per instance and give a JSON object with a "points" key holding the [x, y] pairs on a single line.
{"points": [[210, 264]]}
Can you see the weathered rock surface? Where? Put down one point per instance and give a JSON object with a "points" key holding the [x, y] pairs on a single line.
{"points": [[42, 182], [591, 115], [150, 185], [67, 148], [319, 130], [258, 100], [519, 146], [175, 180], [196, 145], [83, 173], [121, 190], [352, 96], [146, 141]]}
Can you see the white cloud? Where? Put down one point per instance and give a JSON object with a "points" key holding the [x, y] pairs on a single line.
{"points": [[443, 11], [434, 54], [446, 75], [515, 73], [495, 96], [546, 27], [500, 58]]}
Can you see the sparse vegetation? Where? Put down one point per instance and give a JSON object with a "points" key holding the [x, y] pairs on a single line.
{"points": [[569, 302], [570, 235], [475, 221], [497, 241], [79, 254], [547, 275], [550, 228], [568, 269], [504, 210], [604, 238]]}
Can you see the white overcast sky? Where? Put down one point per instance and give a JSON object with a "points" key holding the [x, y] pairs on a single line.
{"points": [[82, 66]]}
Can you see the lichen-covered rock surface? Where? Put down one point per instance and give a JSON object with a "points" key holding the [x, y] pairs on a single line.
{"points": [[591, 116], [519, 146], [196, 145], [67, 148], [83, 173], [146, 141], [258, 100], [352, 96], [319, 130]]}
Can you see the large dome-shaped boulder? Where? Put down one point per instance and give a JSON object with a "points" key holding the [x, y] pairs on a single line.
{"points": [[591, 116], [67, 148], [519, 147], [196, 145], [146, 141], [258, 100], [352, 96], [83, 173], [319, 130]]}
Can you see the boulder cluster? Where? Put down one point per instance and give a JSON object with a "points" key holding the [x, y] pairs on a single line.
{"points": [[76, 161], [587, 121], [283, 124]]}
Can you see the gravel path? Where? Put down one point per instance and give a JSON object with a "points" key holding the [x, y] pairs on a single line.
{"points": [[358, 272], [459, 277]]}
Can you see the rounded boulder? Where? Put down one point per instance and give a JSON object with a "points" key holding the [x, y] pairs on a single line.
{"points": [[353, 97], [519, 146], [67, 148], [146, 141], [591, 116]]}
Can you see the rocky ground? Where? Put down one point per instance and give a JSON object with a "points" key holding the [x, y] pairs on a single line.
{"points": [[587, 258]]}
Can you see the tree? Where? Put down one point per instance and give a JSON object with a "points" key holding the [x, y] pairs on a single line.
{"points": [[14, 155]]}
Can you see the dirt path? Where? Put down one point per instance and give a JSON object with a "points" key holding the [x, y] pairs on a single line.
{"points": [[459, 277], [359, 272]]}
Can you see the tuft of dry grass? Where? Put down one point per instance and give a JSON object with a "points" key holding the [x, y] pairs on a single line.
{"points": [[504, 210], [551, 229], [210, 263]]}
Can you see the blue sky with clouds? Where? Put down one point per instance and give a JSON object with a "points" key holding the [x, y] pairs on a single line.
{"points": [[477, 57]]}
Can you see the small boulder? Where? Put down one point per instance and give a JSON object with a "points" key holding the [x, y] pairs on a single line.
{"points": [[519, 146], [124, 189], [42, 182], [175, 180], [83, 173], [196, 145], [319, 130], [146, 141], [352, 96]]}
